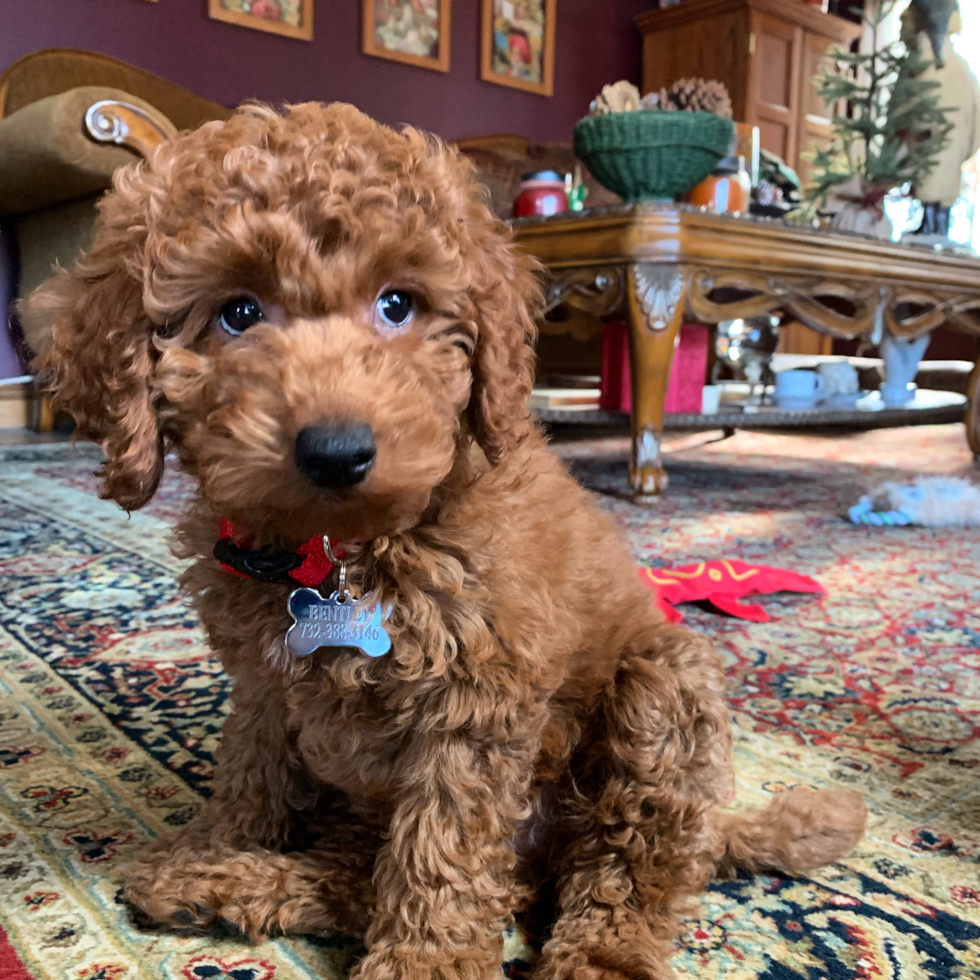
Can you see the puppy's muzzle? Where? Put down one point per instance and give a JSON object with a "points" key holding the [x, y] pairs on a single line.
{"points": [[335, 456]]}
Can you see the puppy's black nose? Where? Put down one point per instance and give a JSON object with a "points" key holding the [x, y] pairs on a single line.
{"points": [[336, 456]]}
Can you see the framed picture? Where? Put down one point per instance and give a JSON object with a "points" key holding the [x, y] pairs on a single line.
{"points": [[519, 44], [415, 32], [291, 18]]}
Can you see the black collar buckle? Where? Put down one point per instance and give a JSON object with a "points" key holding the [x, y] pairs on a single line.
{"points": [[263, 566]]}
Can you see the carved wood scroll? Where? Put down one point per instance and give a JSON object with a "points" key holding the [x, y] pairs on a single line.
{"points": [[600, 291], [139, 130], [912, 312]]}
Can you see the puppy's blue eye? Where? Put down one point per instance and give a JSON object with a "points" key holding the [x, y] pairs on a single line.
{"points": [[395, 308], [238, 314]]}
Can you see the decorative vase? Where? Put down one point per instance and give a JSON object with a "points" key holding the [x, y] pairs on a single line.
{"points": [[727, 188], [863, 221], [901, 359], [744, 343]]}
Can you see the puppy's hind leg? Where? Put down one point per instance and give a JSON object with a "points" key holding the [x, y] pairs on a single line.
{"points": [[632, 840], [799, 831]]}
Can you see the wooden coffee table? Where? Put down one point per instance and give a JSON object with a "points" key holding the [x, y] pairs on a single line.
{"points": [[656, 265]]}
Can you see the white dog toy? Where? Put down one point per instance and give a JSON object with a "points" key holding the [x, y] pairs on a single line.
{"points": [[931, 501]]}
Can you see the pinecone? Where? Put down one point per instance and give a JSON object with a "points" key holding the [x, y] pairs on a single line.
{"points": [[697, 95], [618, 97]]}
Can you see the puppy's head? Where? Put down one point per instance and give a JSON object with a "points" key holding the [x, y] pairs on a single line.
{"points": [[317, 312]]}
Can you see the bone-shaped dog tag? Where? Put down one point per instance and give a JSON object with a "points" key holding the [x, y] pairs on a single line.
{"points": [[335, 622]]}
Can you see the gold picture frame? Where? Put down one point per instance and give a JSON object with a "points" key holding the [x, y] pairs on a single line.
{"points": [[400, 31], [518, 44], [295, 16]]}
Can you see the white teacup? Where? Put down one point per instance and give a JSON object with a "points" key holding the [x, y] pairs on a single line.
{"points": [[798, 388], [710, 399]]}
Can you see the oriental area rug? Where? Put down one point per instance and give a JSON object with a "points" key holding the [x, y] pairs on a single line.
{"points": [[110, 709]]}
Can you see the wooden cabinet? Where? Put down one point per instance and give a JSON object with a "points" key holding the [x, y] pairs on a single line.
{"points": [[765, 51]]}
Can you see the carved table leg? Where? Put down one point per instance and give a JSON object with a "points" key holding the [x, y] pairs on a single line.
{"points": [[973, 412], [655, 307]]}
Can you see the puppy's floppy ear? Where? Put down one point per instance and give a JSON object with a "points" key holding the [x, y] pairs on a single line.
{"points": [[99, 360], [505, 294]]}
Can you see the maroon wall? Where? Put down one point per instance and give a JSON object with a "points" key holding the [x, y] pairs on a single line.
{"points": [[596, 42]]}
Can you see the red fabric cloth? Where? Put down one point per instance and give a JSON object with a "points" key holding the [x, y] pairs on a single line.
{"points": [[688, 370], [316, 565], [614, 382], [722, 583]]}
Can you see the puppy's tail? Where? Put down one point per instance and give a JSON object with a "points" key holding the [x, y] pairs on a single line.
{"points": [[799, 831]]}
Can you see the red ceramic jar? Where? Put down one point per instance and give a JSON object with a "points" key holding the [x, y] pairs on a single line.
{"points": [[542, 193]]}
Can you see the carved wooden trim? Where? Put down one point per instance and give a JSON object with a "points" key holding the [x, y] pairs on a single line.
{"points": [[813, 20], [497, 142], [798, 296], [136, 128], [686, 235], [600, 291], [658, 291], [958, 310]]}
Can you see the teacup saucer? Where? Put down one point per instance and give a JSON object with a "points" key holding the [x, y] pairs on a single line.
{"points": [[842, 401], [897, 397], [791, 403]]}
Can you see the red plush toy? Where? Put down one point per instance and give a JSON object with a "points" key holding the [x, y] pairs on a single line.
{"points": [[722, 583]]}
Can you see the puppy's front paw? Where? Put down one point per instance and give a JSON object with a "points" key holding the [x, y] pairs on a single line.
{"points": [[428, 964], [604, 944], [238, 892], [153, 909]]}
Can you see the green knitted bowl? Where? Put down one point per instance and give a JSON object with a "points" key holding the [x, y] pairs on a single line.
{"points": [[650, 154]]}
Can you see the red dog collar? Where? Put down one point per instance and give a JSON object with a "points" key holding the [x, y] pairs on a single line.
{"points": [[308, 565]]}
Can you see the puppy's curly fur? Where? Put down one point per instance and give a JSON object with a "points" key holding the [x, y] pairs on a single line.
{"points": [[536, 728]]}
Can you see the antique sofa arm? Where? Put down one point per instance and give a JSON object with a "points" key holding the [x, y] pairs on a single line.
{"points": [[57, 155], [67, 146]]}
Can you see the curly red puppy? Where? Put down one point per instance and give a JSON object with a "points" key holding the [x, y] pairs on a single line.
{"points": [[322, 318]]}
